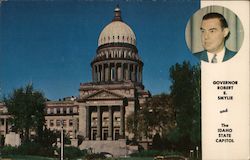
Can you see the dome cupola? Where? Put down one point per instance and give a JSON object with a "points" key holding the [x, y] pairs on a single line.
{"points": [[117, 31]]}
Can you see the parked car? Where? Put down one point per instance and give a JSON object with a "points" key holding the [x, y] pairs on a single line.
{"points": [[106, 154]]}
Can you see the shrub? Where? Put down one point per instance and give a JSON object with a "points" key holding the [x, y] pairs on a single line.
{"points": [[94, 156], [8, 150], [169, 153], [32, 148], [73, 152], [29, 148], [146, 153], [153, 153]]}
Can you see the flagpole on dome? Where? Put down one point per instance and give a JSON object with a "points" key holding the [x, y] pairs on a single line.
{"points": [[117, 13]]}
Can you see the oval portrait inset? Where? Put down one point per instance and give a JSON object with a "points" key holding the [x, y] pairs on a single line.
{"points": [[214, 34]]}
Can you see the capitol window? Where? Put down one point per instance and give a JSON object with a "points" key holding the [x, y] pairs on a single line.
{"points": [[71, 110], [64, 111], [58, 110], [58, 122], [51, 123], [117, 119], [71, 122]]}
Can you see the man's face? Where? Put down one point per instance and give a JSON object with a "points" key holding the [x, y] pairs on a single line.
{"points": [[213, 35]]}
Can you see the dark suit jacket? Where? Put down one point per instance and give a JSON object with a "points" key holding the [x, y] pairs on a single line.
{"points": [[203, 55]]}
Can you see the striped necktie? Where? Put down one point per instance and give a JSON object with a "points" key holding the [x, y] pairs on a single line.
{"points": [[214, 59]]}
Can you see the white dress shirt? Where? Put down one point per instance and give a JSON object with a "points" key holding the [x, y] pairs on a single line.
{"points": [[219, 56]]}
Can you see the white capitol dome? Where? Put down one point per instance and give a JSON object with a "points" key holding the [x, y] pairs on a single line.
{"points": [[117, 31]]}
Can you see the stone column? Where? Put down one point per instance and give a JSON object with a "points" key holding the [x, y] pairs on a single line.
{"points": [[136, 72], [133, 73], [115, 72], [125, 71], [99, 121], [110, 129], [103, 73], [109, 71], [122, 71], [122, 122], [98, 74], [88, 122], [128, 72]]}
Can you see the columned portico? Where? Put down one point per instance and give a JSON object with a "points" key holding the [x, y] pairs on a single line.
{"points": [[95, 122]]}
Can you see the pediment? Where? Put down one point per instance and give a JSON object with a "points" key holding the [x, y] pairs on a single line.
{"points": [[104, 94]]}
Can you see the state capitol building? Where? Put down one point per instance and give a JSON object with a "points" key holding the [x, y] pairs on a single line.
{"points": [[99, 113]]}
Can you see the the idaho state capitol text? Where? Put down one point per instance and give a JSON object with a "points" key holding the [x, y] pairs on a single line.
{"points": [[224, 134], [225, 131]]}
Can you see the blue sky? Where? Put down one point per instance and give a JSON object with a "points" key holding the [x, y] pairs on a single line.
{"points": [[52, 43]]}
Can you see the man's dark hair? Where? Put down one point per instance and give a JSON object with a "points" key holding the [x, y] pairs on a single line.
{"points": [[222, 19]]}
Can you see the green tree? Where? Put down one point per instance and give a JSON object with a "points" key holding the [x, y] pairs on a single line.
{"points": [[27, 109], [185, 93], [136, 125], [156, 115], [196, 130], [48, 138]]}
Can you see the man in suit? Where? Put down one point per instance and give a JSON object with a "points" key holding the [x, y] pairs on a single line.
{"points": [[214, 33]]}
